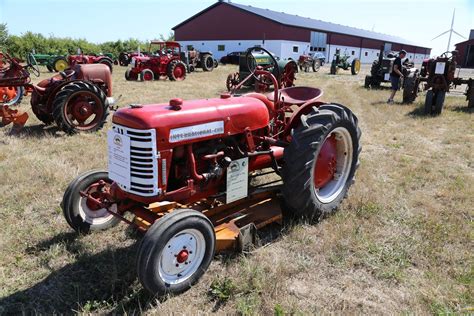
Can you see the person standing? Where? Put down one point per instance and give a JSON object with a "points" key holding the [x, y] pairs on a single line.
{"points": [[396, 75]]}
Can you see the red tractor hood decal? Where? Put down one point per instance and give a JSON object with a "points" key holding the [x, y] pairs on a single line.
{"points": [[235, 113]]}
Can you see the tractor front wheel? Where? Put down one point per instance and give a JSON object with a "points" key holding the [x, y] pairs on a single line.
{"points": [[83, 214], [175, 252], [60, 64], [320, 161], [80, 107], [146, 75], [316, 65], [176, 71]]}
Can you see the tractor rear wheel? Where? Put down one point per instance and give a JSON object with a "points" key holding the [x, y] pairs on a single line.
{"points": [[60, 64], [11, 95], [333, 69], [146, 75], [321, 161], [108, 63], [46, 118], [409, 90], [129, 75], [80, 107], [175, 252], [82, 214], [367, 81], [355, 66], [439, 102], [316, 65], [176, 70], [207, 62]]}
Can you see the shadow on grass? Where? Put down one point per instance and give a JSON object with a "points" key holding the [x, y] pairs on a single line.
{"points": [[105, 281], [463, 109], [419, 112], [37, 131]]}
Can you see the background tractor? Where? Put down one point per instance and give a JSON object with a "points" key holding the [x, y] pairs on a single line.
{"points": [[49, 61], [195, 59], [91, 59], [76, 100], [183, 170], [440, 77], [283, 69], [125, 58], [163, 62], [383, 67], [307, 62], [342, 62]]}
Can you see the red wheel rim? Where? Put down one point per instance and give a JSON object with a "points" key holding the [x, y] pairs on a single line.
{"points": [[83, 110], [326, 163], [147, 76], [179, 72]]}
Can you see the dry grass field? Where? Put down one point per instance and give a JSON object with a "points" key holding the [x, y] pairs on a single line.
{"points": [[402, 242]]}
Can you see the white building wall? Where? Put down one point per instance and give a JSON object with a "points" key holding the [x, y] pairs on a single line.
{"points": [[284, 49]]}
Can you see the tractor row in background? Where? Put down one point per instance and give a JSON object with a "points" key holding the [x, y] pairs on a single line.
{"points": [[182, 170], [77, 99], [59, 63], [283, 70]]}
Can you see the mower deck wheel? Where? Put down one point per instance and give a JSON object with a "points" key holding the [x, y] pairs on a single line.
{"points": [[79, 213], [321, 161], [175, 252]]}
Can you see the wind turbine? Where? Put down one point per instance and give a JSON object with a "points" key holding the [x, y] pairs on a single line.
{"points": [[450, 31]]}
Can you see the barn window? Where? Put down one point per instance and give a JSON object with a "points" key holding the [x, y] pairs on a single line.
{"points": [[353, 53], [190, 47], [377, 54], [240, 44], [202, 44], [295, 49], [366, 54], [221, 48]]}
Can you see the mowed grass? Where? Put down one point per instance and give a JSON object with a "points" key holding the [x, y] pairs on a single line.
{"points": [[401, 242]]}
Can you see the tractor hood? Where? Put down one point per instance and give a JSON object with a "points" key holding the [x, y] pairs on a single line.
{"points": [[188, 121]]}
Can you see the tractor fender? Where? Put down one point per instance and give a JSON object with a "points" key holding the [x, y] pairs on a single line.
{"points": [[295, 118], [270, 105]]}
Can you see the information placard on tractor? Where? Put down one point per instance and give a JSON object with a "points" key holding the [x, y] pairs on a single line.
{"points": [[237, 180], [119, 158]]}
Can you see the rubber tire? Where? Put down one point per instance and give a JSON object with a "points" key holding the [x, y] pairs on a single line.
{"points": [[72, 197], [56, 60], [353, 70], [142, 75], [108, 63], [439, 102], [128, 77], [124, 59], [62, 96], [156, 239], [316, 65], [171, 66], [333, 69], [470, 96], [46, 118], [367, 81], [299, 157], [206, 58], [409, 90], [216, 63], [429, 102], [50, 68]]}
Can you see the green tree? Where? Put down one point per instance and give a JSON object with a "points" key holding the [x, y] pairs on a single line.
{"points": [[3, 34]]}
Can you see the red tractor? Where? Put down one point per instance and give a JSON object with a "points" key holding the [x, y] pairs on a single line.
{"points": [[77, 99], [307, 62], [90, 59], [440, 76], [183, 169], [163, 62]]}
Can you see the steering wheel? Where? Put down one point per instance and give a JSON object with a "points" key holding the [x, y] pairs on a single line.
{"points": [[252, 63], [68, 73], [447, 54], [32, 64]]}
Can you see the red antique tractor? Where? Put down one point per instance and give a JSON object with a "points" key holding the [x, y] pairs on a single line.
{"points": [[77, 99], [183, 169], [439, 75], [163, 62], [90, 59], [307, 62]]}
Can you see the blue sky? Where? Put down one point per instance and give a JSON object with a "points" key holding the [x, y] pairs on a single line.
{"points": [[103, 20]]}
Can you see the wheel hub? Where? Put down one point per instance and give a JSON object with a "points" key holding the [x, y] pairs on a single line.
{"points": [[326, 163], [82, 110], [182, 256]]}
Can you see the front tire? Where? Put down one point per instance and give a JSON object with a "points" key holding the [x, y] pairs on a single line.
{"points": [[175, 252], [80, 214], [207, 62], [146, 75], [176, 71], [316, 65], [321, 161], [355, 66]]}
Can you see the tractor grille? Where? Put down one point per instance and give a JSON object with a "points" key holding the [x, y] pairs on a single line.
{"points": [[143, 160]]}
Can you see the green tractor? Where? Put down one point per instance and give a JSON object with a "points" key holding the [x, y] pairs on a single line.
{"points": [[254, 57], [51, 61], [342, 61]]}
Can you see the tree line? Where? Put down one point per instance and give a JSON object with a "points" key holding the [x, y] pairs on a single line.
{"points": [[20, 45]]}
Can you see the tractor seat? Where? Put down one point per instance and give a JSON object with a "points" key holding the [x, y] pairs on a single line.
{"points": [[298, 95]]}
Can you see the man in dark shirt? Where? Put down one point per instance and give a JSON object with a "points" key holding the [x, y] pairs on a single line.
{"points": [[396, 75]]}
